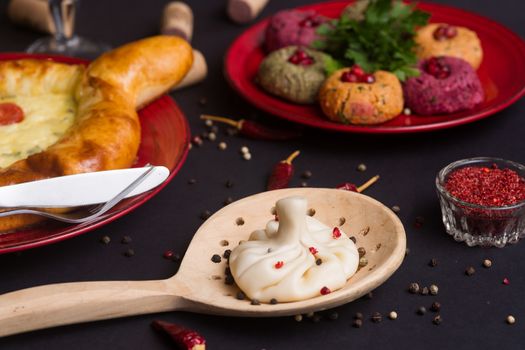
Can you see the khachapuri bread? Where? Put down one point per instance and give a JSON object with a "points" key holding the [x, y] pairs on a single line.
{"points": [[74, 119]]}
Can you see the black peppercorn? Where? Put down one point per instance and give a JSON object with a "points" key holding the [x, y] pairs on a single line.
{"points": [[437, 320], [229, 280], [205, 215], [307, 174], [436, 306], [126, 240], [424, 291], [273, 301], [129, 253], [255, 302], [470, 271], [413, 288], [226, 254], [105, 239], [333, 316], [358, 315], [433, 262], [240, 295], [318, 261], [357, 323], [377, 317], [216, 258], [421, 310]]}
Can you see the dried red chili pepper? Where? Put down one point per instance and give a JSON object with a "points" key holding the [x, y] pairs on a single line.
{"points": [[282, 173], [186, 338], [254, 130], [348, 186]]}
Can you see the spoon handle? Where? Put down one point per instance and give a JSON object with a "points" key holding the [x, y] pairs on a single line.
{"points": [[68, 303]]}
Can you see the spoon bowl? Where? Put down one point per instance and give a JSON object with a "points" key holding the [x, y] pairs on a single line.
{"points": [[199, 285]]}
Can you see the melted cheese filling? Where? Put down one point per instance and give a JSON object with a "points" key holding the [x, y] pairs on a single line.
{"points": [[46, 119]]}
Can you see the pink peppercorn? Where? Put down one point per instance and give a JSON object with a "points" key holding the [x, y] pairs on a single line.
{"points": [[325, 290]]}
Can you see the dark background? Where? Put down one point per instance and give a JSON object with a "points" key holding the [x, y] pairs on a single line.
{"points": [[473, 308]]}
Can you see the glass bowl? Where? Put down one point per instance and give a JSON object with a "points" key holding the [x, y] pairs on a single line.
{"points": [[478, 224]]}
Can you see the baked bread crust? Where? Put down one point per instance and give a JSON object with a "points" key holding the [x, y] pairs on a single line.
{"points": [[106, 133]]}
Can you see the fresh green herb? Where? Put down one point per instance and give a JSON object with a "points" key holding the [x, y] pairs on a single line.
{"points": [[384, 39]]}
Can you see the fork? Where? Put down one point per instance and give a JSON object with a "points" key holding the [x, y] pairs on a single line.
{"points": [[93, 213]]}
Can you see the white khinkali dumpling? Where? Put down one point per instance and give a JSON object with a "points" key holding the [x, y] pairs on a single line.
{"points": [[280, 261]]}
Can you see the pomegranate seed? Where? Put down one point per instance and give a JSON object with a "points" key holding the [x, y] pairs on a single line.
{"points": [[306, 23], [310, 22], [279, 264], [300, 57], [301, 54], [451, 32], [506, 281], [313, 250], [369, 78], [325, 290], [349, 77], [307, 61], [357, 70], [437, 68], [294, 59], [336, 233], [440, 33]]}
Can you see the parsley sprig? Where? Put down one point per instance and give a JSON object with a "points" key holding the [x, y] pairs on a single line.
{"points": [[384, 39]]}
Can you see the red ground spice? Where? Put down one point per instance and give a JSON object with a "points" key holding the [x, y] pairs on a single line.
{"points": [[313, 250], [492, 187], [279, 264]]}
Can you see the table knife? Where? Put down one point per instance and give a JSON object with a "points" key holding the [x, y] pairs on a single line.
{"points": [[79, 189]]}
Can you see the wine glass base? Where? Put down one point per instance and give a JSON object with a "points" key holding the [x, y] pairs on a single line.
{"points": [[75, 47]]}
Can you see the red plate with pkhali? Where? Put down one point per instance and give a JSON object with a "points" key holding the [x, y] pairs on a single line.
{"points": [[164, 141], [502, 74]]}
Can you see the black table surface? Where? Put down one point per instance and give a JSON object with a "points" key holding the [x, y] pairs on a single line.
{"points": [[473, 308]]}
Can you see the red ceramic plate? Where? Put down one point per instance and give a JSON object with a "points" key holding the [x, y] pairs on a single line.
{"points": [[502, 74], [165, 140]]}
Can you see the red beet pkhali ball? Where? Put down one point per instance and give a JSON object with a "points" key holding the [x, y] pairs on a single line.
{"points": [[292, 27], [445, 85]]}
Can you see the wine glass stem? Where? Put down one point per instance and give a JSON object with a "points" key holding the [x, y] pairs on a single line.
{"points": [[55, 7]]}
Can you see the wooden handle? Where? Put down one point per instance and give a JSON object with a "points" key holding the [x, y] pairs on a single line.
{"points": [[243, 11], [68, 303], [177, 19]]}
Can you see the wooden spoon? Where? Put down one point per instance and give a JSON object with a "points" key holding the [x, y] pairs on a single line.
{"points": [[199, 284]]}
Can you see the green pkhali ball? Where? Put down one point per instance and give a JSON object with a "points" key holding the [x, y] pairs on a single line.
{"points": [[283, 74]]}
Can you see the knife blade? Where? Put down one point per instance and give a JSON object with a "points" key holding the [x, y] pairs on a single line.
{"points": [[80, 189]]}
